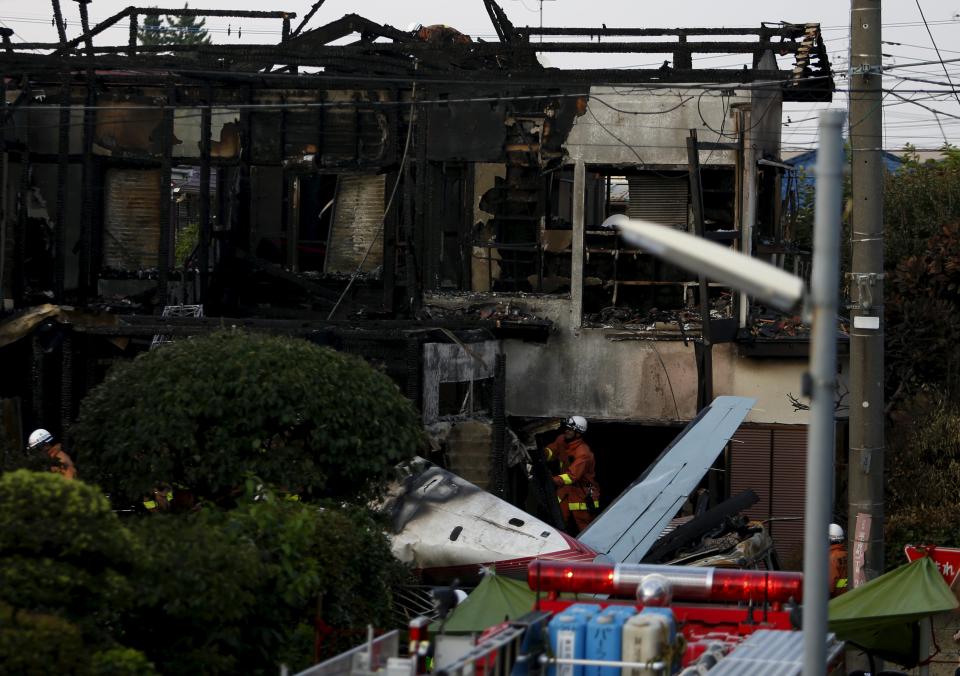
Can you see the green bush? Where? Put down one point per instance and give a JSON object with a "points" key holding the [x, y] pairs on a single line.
{"points": [[210, 592], [120, 662], [204, 413], [37, 644], [61, 549], [222, 592], [922, 474], [331, 561], [196, 590]]}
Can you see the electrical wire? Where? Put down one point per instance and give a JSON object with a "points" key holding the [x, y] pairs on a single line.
{"points": [[934, 43]]}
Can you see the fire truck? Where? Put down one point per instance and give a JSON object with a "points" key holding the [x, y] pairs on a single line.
{"points": [[596, 619]]}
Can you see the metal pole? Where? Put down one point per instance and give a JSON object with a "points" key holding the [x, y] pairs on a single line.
{"points": [[704, 351], [824, 285], [865, 524]]}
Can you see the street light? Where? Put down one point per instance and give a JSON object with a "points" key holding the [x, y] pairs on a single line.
{"points": [[755, 277], [786, 291]]}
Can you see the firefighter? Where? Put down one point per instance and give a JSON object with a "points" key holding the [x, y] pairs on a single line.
{"points": [[577, 489], [42, 441], [838, 561]]}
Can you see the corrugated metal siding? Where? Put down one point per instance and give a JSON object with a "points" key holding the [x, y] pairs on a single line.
{"points": [[772, 461], [657, 199], [750, 467], [131, 218], [357, 219], [789, 490]]}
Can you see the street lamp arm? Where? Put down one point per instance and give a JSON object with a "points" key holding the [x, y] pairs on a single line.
{"points": [[695, 254]]}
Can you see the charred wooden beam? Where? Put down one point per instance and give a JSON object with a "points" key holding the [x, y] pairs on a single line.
{"points": [[20, 234], [786, 30], [58, 19], [241, 234], [498, 459], [223, 13], [67, 380], [63, 171], [313, 10], [373, 71], [203, 242], [351, 23], [166, 162], [132, 36]]}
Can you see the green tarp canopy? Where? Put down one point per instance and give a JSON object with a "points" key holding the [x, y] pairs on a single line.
{"points": [[881, 616], [494, 600]]}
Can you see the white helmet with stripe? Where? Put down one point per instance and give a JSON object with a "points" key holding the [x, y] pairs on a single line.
{"points": [[39, 438], [576, 422]]}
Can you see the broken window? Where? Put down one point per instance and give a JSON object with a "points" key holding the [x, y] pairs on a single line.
{"points": [[318, 222], [465, 398], [522, 231], [624, 285], [185, 212]]}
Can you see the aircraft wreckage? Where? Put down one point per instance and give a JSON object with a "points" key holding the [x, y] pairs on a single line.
{"points": [[447, 528]]}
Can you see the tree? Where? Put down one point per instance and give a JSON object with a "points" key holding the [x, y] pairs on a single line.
{"points": [[196, 596], [62, 549], [64, 565], [203, 414], [923, 318], [923, 472], [180, 30], [329, 566], [244, 589]]}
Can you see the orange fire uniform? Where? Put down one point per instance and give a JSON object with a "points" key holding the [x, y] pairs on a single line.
{"points": [[65, 464], [577, 482], [838, 569]]}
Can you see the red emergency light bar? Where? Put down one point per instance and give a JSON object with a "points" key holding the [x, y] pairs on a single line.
{"points": [[716, 585]]}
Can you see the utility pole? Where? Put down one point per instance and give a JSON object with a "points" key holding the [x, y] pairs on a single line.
{"points": [[865, 523], [541, 16]]}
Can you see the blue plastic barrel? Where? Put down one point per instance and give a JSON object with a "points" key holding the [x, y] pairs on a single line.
{"points": [[605, 642], [568, 633]]}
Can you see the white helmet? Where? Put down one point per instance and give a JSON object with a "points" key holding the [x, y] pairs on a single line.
{"points": [[576, 422], [39, 438], [836, 534]]}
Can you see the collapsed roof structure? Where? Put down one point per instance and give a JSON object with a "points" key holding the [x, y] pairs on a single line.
{"points": [[424, 198]]}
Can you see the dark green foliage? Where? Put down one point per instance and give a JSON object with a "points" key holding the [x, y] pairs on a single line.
{"points": [[182, 30], [922, 363], [923, 472], [196, 587], [223, 592], [36, 644], [62, 549], [65, 561], [918, 200], [923, 321], [207, 412], [120, 662], [334, 560], [152, 31]]}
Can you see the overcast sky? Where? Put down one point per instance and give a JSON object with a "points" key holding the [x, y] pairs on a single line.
{"points": [[903, 122]]}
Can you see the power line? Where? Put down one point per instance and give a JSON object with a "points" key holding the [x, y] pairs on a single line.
{"points": [[934, 43]]}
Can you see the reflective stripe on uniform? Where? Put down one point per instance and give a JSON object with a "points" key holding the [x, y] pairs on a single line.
{"points": [[576, 506], [548, 452], [842, 583], [566, 479]]}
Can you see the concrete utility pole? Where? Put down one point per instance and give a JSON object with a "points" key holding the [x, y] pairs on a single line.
{"points": [[865, 524], [824, 290]]}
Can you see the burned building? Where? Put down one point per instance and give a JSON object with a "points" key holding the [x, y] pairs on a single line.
{"points": [[431, 201]]}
